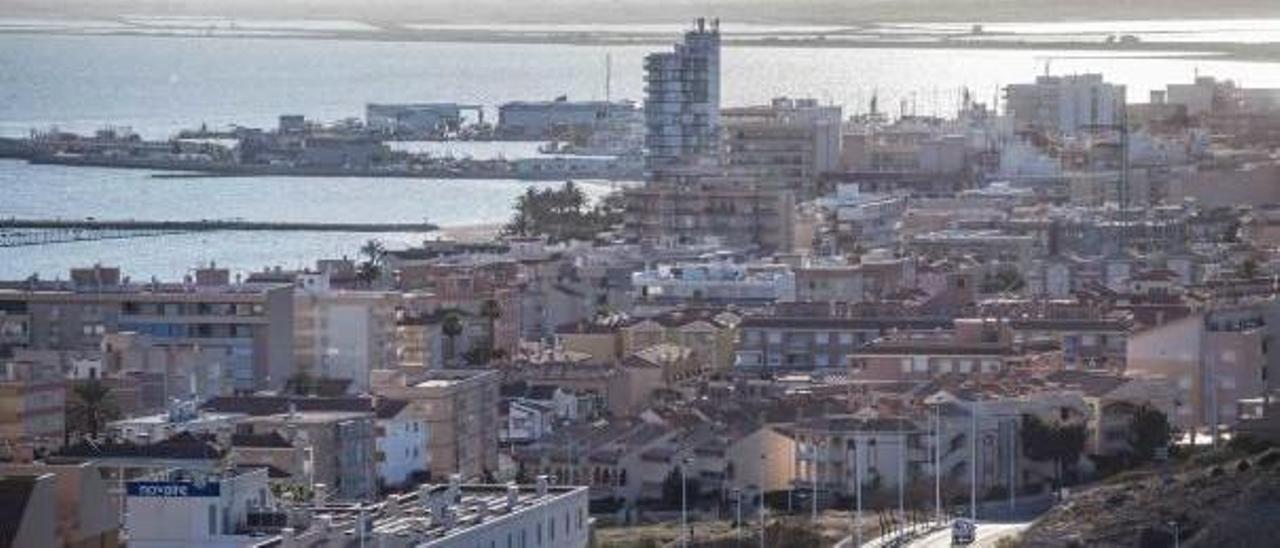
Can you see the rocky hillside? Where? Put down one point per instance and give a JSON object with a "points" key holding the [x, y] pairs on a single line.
{"points": [[1216, 501]]}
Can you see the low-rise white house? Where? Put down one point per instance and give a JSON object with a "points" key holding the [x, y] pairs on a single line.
{"points": [[401, 443]]}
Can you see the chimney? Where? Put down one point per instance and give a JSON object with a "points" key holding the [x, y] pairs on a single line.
{"points": [[542, 485]]}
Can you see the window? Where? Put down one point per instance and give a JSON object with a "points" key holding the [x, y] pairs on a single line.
{"points": [[775, 337], [846, 339], [821, 339]]}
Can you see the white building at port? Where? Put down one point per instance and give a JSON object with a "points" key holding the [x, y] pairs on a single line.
{"points": [[682, 101]]}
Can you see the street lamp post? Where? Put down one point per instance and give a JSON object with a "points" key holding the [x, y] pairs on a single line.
{"points": [[737, 495], [857, 482], [813, 477], [973, 462], [902, 469], [937, 463], [684, 501]]}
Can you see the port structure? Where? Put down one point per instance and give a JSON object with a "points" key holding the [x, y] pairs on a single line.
{"points": [[33, 232]]}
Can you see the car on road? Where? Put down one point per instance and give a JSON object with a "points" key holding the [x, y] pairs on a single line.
{"points": [[963, 532]]}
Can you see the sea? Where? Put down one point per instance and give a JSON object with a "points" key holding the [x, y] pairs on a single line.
{"points": [[158, 85]]}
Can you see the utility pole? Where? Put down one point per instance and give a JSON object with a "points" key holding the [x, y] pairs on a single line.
{"points": [[1013, 465], [857, 481], [902, 468], [973, 462], [737, 494], [813, 476], [937, 463], [764, 457], [684, 502]]}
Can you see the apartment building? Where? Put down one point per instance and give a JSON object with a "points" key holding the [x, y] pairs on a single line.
{"points": [[330, 441], [1065, 104], [1215, 358], [703, 209], [868, 221], [341, 334], [682, 99], [816, 342], [459, 407], [33, 398], [250, 324], [786, 143]]}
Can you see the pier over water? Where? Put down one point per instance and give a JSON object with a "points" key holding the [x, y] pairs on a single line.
{"points": [[28, 232]]}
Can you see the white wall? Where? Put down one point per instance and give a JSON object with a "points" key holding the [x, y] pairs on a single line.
{"points": [[404, 446]]}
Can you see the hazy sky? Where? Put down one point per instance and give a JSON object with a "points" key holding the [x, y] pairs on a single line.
{"points": [[823, 11]]}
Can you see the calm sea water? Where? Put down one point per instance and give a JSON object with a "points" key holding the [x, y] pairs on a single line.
{"points": [[158, 85], [28, 191]]}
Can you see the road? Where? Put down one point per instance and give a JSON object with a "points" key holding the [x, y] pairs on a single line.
{"points": [[989, 533]]}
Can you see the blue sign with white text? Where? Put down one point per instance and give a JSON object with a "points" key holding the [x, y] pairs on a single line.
{"points": [[172, 489]]}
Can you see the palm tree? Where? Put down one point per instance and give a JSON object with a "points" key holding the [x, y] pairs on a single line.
{"points": [[491, 310], [371, 268], [92, 406], [451, 327]]}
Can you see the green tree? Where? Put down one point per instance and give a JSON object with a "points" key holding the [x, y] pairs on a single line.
{"points": [[370, 269], [1149, 429], [91, 407], [300, 384], [563, 214], [451, 327], [1249, 268], [491, 310], [1060, 443]]}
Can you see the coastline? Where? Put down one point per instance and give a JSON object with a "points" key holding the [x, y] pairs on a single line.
{"points": [[1237, 51]]}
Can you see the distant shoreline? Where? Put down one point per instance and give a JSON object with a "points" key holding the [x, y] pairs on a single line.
{"points": [[1258, 52]]}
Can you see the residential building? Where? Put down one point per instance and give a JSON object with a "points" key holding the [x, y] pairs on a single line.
{"points": [[682, 100], [33, 402], [716, 283], [341, 334], [84, 513], [31, 509], [867, 221], [459, 407], [251, 324], [785, 144], [697, 208], [334, 437], [1065, 104], [455, 514], [401, 445], [176, 509], [804, 342], [1215, 358]]}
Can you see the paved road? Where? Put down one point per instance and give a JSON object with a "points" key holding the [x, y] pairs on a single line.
{"points": [[989, 533]]}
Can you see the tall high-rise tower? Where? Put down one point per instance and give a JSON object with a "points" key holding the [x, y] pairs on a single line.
{"points": [[682, 100]]}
